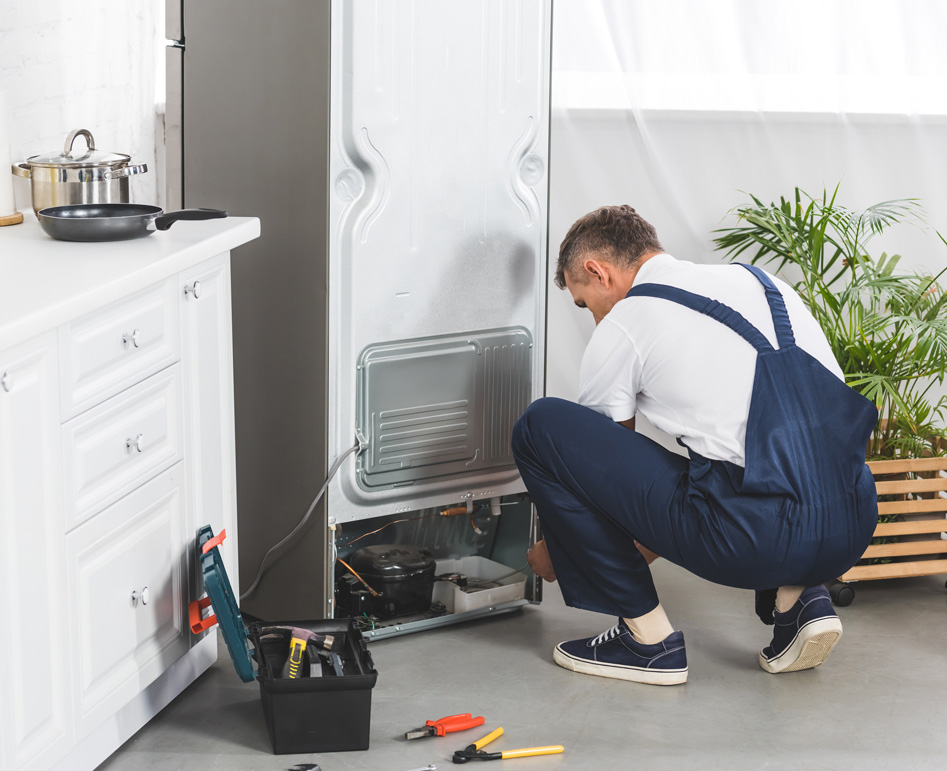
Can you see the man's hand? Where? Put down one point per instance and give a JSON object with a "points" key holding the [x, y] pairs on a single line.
{"points": [[540, 562]]}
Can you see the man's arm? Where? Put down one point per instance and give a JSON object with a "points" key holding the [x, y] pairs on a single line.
{"points": [[630, 423]]}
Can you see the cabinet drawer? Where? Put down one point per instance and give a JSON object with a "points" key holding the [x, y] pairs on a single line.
{"points": [[123, 642], [113, 448], [113, 348]]}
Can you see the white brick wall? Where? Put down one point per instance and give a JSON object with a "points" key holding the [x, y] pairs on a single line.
{"points": [[67, 64]]}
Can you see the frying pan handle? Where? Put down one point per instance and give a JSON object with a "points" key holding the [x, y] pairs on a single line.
{"points": [[167, 220]]}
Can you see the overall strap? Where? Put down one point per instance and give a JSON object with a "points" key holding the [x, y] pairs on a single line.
{"points": [[777, 307], [712, 308]]}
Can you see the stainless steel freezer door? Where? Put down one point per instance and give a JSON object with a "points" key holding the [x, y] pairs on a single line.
{"points": [[437, 202]]}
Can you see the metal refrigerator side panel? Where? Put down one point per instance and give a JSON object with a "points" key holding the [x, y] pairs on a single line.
{"points": [[256, 124], [438, 200]]}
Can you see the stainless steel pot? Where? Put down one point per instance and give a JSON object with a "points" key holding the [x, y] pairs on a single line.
{"points": [[74, 176]]}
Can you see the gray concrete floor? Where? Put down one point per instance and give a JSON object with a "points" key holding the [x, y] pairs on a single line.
{"points": [[878, 703]]}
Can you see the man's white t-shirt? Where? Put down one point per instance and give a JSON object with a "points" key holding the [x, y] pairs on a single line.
{"points": [[688, 374]]}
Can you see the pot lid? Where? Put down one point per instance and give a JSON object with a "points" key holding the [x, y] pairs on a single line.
{"points": [[78, 157]]}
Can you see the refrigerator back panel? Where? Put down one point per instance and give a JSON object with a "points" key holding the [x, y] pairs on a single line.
{"points": [[440, 407], [437, 263]]}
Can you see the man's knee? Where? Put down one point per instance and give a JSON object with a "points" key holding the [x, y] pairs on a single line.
{"points": [[541, 418]]}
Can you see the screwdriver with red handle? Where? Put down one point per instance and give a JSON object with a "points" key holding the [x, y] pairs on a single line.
{"points": [[444, 726]]}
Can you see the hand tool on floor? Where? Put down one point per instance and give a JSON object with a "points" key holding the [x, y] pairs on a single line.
{"points": [[445, 725], [474, 751]]}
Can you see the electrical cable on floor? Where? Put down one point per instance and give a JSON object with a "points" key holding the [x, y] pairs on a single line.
{"points": [[302, 522]]}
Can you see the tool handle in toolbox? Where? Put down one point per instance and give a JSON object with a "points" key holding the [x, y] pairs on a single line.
{"points": [[217, 540], [456, 723], [479, 745], [530, 751], [199, 624]]}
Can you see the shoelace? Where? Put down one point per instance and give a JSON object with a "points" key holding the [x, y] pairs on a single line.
{"points": [[607, 635]]}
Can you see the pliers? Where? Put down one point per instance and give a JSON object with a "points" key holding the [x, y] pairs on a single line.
{"points": [[474, 751], [445, 726]]}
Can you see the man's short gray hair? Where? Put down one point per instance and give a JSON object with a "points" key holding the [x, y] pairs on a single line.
{"points": [[617, 233]]}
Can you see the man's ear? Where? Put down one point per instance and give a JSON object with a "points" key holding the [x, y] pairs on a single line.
{"points": [[598, 271]]}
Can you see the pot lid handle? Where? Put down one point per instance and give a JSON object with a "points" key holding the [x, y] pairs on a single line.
{"points": [[70, 140]]}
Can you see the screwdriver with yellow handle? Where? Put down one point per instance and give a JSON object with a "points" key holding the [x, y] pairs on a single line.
{"points": [[475, 751]]}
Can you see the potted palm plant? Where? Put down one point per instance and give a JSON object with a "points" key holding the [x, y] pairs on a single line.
{"points": [[888, 330]]}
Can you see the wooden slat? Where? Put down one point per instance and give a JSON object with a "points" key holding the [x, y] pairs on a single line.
{"points": [[917, 527], [879, 467], [895, 570], [912, 507], [906, 549], [911, 486]]}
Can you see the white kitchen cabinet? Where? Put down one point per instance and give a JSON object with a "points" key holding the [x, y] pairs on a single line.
{"points": [[125, 578], [114, 347], [114, 447], [116, 443], [207, 358], [35, 725]]}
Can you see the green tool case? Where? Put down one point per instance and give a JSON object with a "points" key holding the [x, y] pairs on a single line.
{"points": [[330, 712]]}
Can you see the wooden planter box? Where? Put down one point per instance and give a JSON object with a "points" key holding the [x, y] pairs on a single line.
{"points": [[915, 491]]}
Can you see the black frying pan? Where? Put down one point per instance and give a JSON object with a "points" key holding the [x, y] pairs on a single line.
{"points": [[114, 221]]}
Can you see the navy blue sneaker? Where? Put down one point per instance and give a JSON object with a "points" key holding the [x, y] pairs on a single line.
{"points": [[803, 636], [616, 653]]}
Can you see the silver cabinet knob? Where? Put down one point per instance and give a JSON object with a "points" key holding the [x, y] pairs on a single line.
{"points": [[6, 381], [134, 338], [194, 289], [141, 596], [138, 443]]}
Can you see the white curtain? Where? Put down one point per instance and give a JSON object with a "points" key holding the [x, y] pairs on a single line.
{"points": [[683, 107]]}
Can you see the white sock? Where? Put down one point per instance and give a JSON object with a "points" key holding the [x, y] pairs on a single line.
{"points": [[787, 596], [651, 628]]}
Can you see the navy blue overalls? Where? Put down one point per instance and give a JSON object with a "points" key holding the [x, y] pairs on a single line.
{"points": [[801, 512]]}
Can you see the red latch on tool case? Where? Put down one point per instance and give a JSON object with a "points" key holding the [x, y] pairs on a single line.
{"points": [[194, 609], [217, 540]]}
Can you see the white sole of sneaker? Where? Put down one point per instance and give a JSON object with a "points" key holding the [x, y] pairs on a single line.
{"points": [[618, 672], [812, 646]]}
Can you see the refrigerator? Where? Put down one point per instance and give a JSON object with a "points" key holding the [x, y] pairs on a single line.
{"points": [[393, 312]]}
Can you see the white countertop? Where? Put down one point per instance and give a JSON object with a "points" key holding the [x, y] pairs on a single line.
{"points": [[45, 283]]}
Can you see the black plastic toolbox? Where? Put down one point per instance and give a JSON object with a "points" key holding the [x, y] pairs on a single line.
{"points": [[330, 713]]}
